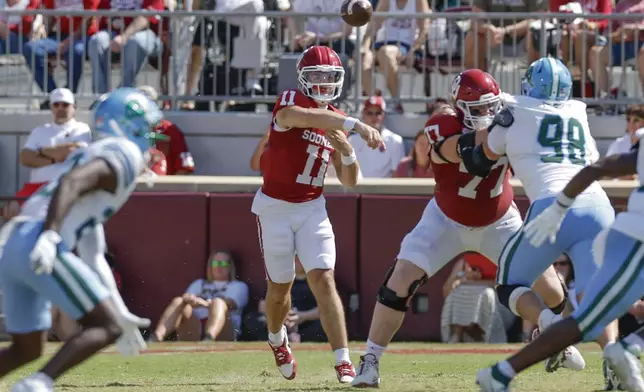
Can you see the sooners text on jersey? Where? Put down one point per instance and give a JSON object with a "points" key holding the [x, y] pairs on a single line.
{"points": [[294, 162], [464, 198]]}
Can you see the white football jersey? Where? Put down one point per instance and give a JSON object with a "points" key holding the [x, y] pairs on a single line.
{"points": [[630, 222], [96, 207], [546, 145]]}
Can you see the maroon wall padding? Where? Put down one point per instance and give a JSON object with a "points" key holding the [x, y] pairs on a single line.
{"points": [[233, 227], [159, 243]]}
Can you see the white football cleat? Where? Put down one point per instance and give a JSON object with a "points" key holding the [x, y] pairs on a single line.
{"points": [[570, 358], [491, 380], [624, 361], [367, 376], [33, 383]]}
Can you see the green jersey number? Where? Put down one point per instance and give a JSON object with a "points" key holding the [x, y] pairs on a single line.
{"points": [[566, 138]]}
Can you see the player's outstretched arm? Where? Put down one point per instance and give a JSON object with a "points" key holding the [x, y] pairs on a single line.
{"points": [[612, 167], [298, 117], [94, 175]]}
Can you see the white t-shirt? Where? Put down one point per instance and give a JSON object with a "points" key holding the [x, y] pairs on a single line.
{"points": [[320, 26], [621, 145], [379, 163], [51, 135], [235, 290]]}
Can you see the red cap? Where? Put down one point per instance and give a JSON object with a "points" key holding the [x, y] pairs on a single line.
{"points": [[375, 101]]}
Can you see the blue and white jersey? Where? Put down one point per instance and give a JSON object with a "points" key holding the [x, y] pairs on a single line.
{"points": [[93, 208]]}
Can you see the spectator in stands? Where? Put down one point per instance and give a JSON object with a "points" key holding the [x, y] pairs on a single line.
{"points": [[178, 158], [135, 39], [379, 163], [416, 164], [397, 41], [211, 308], [621, 40], [66, 39], [321, 31], [49, 145], [583, 35], [483, 34], [303, 322], [472, 311], [634, 121], [563, 267], [64, 327], [15, 30]]}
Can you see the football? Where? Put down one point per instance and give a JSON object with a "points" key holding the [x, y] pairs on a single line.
{"points": [[356, 12]]}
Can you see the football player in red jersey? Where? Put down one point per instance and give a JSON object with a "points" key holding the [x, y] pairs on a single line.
{"points": [[306, 134], [469, 213]]}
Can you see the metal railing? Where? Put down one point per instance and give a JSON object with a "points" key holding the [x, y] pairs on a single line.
{"points": [[428, 74]]}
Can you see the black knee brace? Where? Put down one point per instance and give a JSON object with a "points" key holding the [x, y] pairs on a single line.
{"points": [[390, 299], [560, 308], [504, 292]]}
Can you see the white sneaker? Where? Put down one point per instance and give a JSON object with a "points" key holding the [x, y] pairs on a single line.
{"points": [[367, 376], [625, 362], [33, 383], [570, 358], [490, 380], [611, 381]]}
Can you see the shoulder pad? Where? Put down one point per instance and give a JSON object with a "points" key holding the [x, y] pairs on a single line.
{"points": [[504, 118]]}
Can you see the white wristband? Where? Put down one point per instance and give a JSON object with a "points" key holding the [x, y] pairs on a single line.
{"points": [[348, 160], [564, 200], [349, 124]]}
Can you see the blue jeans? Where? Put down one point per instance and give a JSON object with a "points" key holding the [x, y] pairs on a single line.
{"points": [[14, 44], [134, 53], [37, 52]]}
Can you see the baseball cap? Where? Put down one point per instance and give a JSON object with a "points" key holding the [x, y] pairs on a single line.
{"points": [[149, 91], [375, 101], [64, 95]]}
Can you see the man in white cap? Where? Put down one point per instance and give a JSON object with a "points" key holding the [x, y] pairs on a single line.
{"points": [[378, 163], [48, 145]]}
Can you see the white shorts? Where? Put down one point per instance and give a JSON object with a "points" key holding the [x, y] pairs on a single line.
{"points": [[286, 228], [437, 239]]}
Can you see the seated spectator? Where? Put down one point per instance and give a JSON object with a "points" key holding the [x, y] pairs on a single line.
{"points": [[563, 267], [67, 39], [135, 39], [472, 312], [397, 41], [378, 163], [210, 309], [303, 322], [15, 30], [49, 145], [634, 121], [179, 160], [417, 164], [64, 327], [484, 35], [622, 40], [582, 35], [321, 31]]}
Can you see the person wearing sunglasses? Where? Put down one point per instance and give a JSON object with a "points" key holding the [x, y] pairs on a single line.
{"points": [[210, 309], [379, 162], [623, 144]]}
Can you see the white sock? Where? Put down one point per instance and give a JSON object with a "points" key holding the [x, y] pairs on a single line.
{"points": [[547, 318], [276, 339], [506, 369], [342, 355], [634, 338], [375, 350]]}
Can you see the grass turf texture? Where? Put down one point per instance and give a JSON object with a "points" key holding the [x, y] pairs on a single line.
{"points": [[179, 367]]}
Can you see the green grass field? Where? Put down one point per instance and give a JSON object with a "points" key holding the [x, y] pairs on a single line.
{"points": [[177, 367]]}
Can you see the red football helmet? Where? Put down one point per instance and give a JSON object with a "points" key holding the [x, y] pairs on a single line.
{"points": [[476, 97], [320, 74]]}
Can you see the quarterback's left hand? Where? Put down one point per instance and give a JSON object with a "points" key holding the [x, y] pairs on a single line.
{"points": [[43, 256], [545, 225]]}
